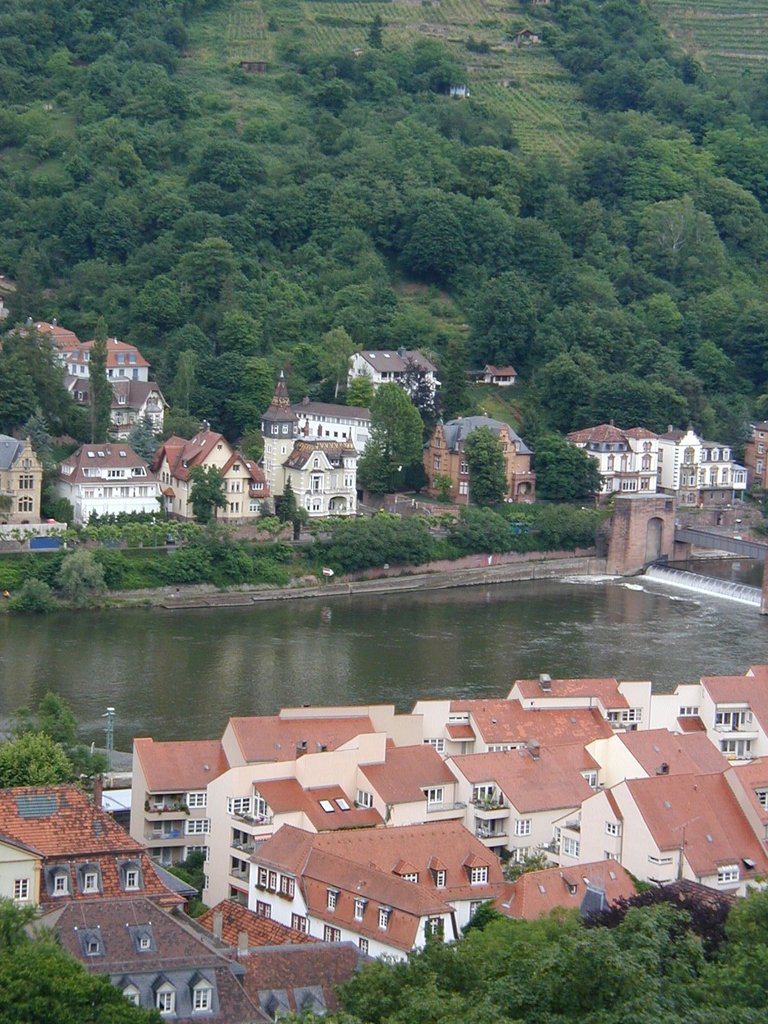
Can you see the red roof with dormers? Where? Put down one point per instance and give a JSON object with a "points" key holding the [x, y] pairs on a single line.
{"points": [[177, 767], [64, 825], [261, 931], [407, 772], [114, 348], [539, 892], [63, 340], [183, 454], [325, 807], [751, 689]]}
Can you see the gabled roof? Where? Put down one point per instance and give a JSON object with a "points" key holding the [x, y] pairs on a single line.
{"points": [[274, 738], [10, 449], [605, 689], [753, 776], [326, 807], [114, 348], [536, 893], [106, 456], [544, 780], [456, 431], [506, 721], [501, 371], [261, 931], [406, 772], [178, 952], [63, 339], [701, 813], [177, 767], [750, 689], [681, 753], [389, 361], [303, 978], [183, 454]]}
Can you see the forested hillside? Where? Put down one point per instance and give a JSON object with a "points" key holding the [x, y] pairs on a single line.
{"points": [[226, 222]]}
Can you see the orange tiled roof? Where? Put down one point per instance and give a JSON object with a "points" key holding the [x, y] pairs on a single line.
{"points": [[750, 689], [275, 738], [406, 772], [506, 721], [176, 767], [605, 689], [261, 931], [550, 781], [683, 753], [701, 812], [287, 795], [539, 892]]}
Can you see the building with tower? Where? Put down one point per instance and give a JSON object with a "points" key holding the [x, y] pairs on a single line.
{"points": [[322, 472]]}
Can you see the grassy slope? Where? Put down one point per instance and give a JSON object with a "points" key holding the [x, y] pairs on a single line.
{"points": [[726, 36], [527, 82]]}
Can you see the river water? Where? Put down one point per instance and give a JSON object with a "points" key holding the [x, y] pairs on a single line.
{"points": [[181, 674]]}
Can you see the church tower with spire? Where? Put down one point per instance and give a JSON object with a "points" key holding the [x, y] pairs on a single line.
{"points": [[279, 427]]}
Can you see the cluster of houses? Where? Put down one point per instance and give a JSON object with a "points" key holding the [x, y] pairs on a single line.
{"points": [[315, 446], [359, 824]]}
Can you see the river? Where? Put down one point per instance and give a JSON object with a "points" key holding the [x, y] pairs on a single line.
{"points": [[181, 674]]}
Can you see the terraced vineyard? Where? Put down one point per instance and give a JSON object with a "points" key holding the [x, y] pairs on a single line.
{"points": [[726, 36], [527, 81]]}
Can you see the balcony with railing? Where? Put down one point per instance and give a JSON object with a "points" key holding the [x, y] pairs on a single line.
{"points": [[446, 811], [491, 837], [490, 809]]}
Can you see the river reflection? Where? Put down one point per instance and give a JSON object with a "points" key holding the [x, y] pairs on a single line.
{"points": [[177, 675]]}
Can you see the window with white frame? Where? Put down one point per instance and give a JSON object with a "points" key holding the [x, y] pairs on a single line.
{"points": [[332, 898], [485, 793], [165, 999], [438, 743], [523, 826], [331, 934], [60, 884], [132, 994], [688, 711], [363, 946], [202, 995], [360, 906], [478, 875], [434, 926], [364, 798], [463, 487], [727, 873], [613, 828], [571, 847], [653, 859], [197, 826], [440, 878], [762, 797], [384, 915], [239, 805], [412, 876], [287, 886], [90, 881], [260, 807], [21, 889], [263, 909], [131, 878], [435, 795], [197, 799], [590, 777], [299, 923]]}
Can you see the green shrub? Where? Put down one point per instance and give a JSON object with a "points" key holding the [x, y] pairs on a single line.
{"points": [[33, 596]]}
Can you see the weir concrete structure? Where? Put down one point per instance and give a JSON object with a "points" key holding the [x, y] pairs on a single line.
{"points": [[643, 530]]}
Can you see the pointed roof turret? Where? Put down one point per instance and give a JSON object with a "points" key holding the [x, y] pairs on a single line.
{"points": [[279, 411]]}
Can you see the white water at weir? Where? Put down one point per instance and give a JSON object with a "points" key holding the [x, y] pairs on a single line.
{"points": [[704, 584]]}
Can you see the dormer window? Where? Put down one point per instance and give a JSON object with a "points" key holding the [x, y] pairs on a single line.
{"points": [[202, 994], [165, 998], [132, 994], [478, 875], [385, 913]]}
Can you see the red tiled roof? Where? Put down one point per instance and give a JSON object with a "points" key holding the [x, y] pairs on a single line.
{"points": [[550, 781], [701, 812], [460, 731], [501, 371], [684, 753], [103, 457], [605, 689], [506, 721], [751, 689], [261, 931], [113, 348], [539, 892], [604, 432], [62, 338], [406, 772], [750, 777], [287, 795], [177, 767], [689, 723], [182, 454], [294, 969], [275, 738]]}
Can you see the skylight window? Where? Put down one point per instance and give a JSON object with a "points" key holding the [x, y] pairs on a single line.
{"points": [[327, 806], [343, 805]]}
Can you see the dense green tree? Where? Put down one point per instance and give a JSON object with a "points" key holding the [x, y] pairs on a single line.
{"points": [[504, 322], [563, 471], [99, 386], [333, 360], [33, 759], [396, 440], [375, 33], [487, 468], [81, 578], [360, 392], [142, 437], [206, 492]]}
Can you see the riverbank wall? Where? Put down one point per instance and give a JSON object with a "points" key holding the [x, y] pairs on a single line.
{"points": [[473, 570]]}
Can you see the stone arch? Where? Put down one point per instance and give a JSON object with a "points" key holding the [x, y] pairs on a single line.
{"points": [[654, 536]]}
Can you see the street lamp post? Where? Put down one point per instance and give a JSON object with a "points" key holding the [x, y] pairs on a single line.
{"points": [[109, 729]]}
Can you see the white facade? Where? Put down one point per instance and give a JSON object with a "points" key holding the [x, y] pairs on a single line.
{"points": [[698, 471], [390, 367], [325, 421], [107, 479], [627, 459]]}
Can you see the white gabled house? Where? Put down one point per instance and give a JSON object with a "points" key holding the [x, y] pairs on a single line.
{"points": [[107, 479]]}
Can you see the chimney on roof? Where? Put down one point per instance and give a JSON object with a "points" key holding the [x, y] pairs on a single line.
{"points": [[98, 789], [301, 747], [663, 769], [218, 923], [54, 322], [305, 400], [534, 749], [670, 428], [205, 425], [242, 943], [545, 682]]}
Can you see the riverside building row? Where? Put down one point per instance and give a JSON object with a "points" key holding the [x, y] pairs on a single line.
{"points": [[358, 823]]}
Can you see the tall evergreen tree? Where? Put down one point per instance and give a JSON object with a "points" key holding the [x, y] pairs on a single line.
{"points": [[100, 388], [487, 471]]}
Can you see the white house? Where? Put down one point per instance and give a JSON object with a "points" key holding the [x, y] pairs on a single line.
{"points": [[107, 479], [329, 422], [131, 401], [698, 472], [390, 367], [124, 361], [627, 459]]}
